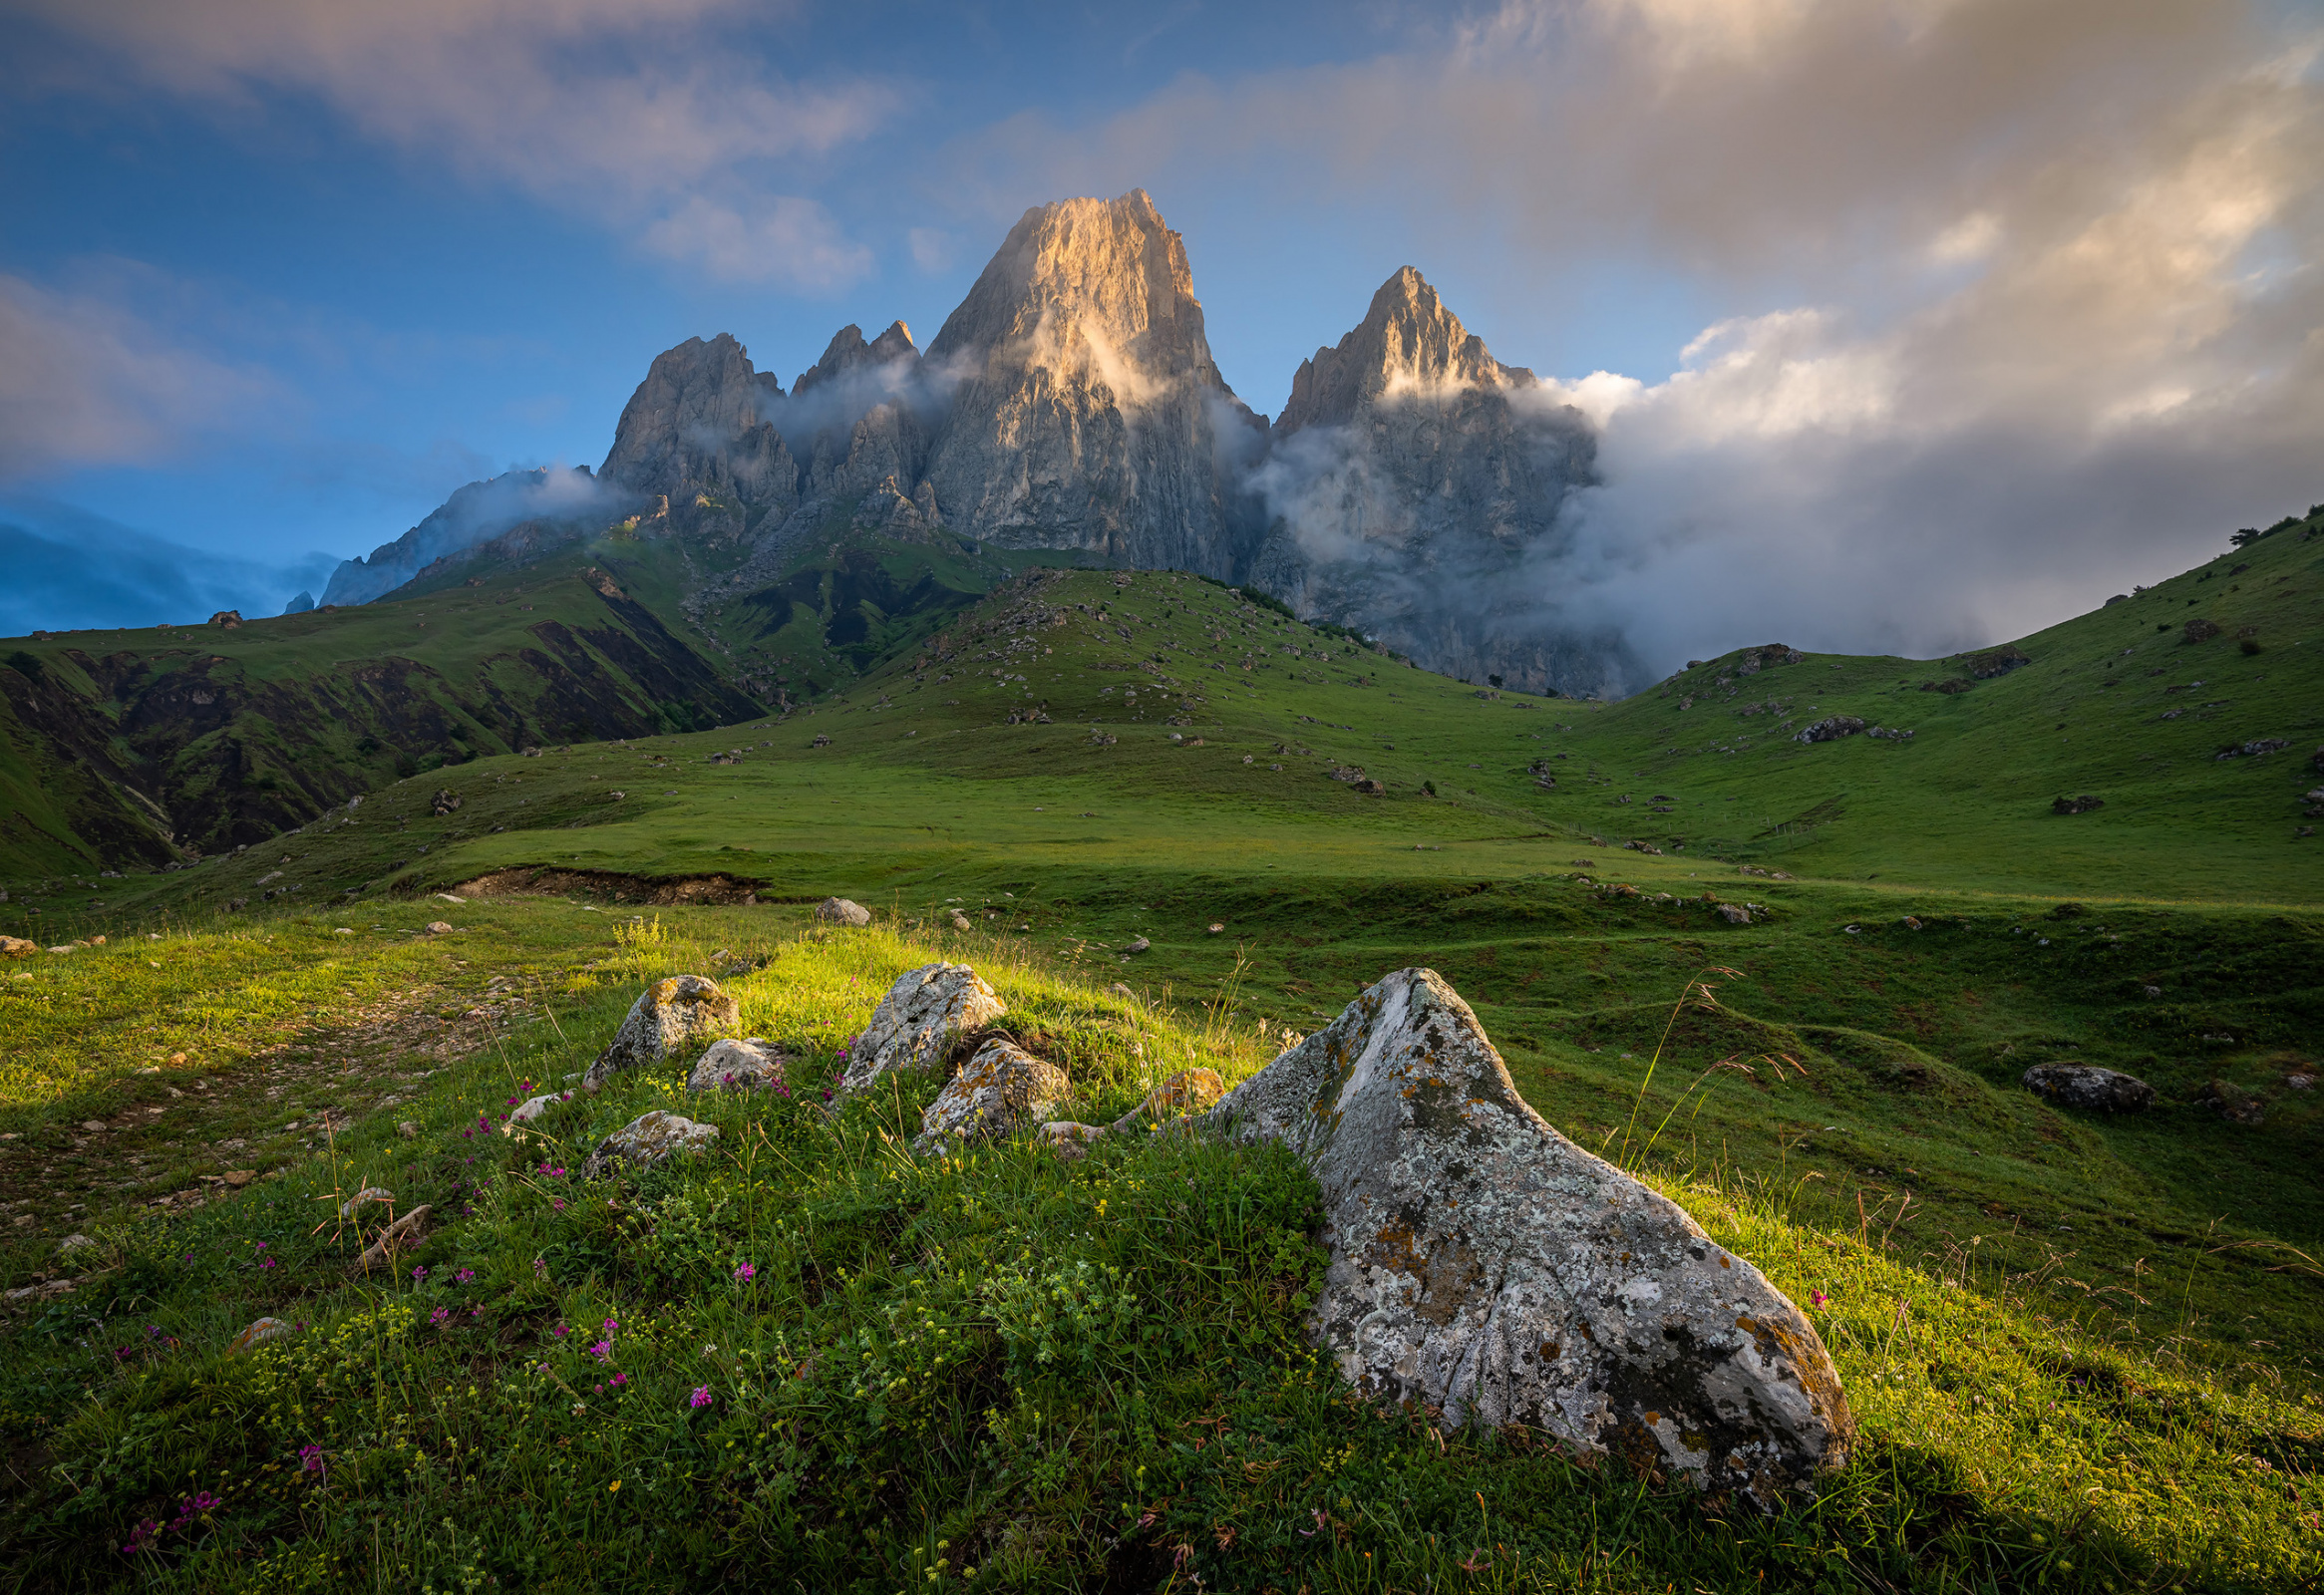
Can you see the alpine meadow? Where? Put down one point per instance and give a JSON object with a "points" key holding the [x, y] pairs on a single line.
{"points": [[914, 985]]}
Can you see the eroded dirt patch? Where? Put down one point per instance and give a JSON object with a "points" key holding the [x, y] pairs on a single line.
{"points": [[544, 881]]}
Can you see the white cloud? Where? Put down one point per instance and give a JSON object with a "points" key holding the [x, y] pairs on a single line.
{"points": [[779, 239], [628, 111], [86, 380]]}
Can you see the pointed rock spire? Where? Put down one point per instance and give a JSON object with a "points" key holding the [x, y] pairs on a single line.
{"points": [[1407, 339], [1088, 412], [848, 352]]}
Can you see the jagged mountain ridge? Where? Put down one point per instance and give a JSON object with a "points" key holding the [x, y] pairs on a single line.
{"points": [[1071, 403]]}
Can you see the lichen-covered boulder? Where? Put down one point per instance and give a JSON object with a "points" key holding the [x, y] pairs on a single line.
{"points": [[645, 1140], [753, 1064], [915, 1023], [843, 911], [672, 1014], [1002, 1087], [1483, 1263], [2105, 1091]]}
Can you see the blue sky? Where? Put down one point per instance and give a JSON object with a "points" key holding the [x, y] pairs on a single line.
{"points": [[1965, 313]]}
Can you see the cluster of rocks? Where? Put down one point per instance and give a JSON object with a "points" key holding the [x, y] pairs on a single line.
{"points": [[1481, 1263]]}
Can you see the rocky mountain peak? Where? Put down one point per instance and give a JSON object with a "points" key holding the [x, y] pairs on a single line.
{"points": [[1096, 288], [696, 392], [1408, 342], [848, 352]]}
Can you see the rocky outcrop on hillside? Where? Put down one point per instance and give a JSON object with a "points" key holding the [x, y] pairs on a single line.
{"points": [[1087, 413], [693, 444], [1485, 1265], [1414, 487]]}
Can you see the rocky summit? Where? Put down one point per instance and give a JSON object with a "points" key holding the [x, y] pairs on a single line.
{"points": [[1411, 490]]}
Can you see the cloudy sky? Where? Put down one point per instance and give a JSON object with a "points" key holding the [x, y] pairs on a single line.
{"points": [[1909, 323]]}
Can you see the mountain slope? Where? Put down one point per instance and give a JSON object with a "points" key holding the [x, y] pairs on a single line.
{"points": [[141, 748]]}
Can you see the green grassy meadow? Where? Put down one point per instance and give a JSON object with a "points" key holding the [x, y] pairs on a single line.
{"points": [[2085, 1349]]}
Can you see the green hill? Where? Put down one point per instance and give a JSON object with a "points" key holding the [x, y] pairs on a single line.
{"points": [[1796, 982]]}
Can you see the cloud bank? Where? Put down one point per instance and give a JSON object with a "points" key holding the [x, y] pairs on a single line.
{"points": [[68, 570], [2022, 300]]}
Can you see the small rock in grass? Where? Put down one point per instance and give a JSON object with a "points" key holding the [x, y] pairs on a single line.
{"points": [[843, 911], [1070, 1142], [438, 927], [1000, 1089], [408, 1129], [753, 1064], [2106, 1091], [915, 1023], [369, 1194], [959, 920], [73, 1243], [238, 1178], [1735, 913], [650, 1138], [671, 1014], [531, 1109], [258, 1332], [16, 947], [1137, 944], [1486, 1265], [1190, 1090]]}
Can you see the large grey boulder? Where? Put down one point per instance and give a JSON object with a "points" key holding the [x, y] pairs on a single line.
{"points": [[917, 1022], [648, 1139], [2106, 1091], [1483, 1263], [1001, 1089], [670, 1015]]}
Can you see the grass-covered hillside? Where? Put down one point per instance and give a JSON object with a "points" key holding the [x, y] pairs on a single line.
{"points": [[810, 1361], [1083, 761]]}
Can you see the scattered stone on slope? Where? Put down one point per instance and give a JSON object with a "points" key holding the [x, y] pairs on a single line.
{"points": [[1190, 1090], [650, 1138], [445, 801], [753, 1064], [2233, 1104], [1998, 662], [671, 1014], [917, 1022], [1733, 914], [1137, 944], [1483, 1264], [2106, 1091], [526, 1113], [843, 911], [401, 1235], [2201, 629], [258, 1332], [1829, 728], [369, 1194], [16, 947], [995, 1093], [2075, 805]]}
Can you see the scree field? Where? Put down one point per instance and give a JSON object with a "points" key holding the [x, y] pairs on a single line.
{"points": [[1740, 934]]}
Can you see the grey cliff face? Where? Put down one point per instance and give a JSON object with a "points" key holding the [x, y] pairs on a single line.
{"points": [[694, 435], [1414, 486], [1088, 412]]}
